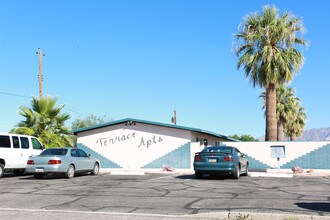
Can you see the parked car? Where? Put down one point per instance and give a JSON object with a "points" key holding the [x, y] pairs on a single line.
{"points": [[15, 149], [62, 160], [220, 160]]}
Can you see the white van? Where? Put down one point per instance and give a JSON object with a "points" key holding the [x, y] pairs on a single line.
{"points": [[15, 150]]}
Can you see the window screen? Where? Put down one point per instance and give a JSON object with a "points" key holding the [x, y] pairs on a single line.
{"points": [[277, 151]]}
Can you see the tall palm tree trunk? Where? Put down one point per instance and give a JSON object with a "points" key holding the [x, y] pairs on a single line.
{"points": [[271, 122], [280, 130], [292, 137]]}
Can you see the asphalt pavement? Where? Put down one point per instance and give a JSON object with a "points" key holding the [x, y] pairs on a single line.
{"points": [[165, 195]]}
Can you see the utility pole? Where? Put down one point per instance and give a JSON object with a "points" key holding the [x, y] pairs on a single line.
{"points": [[39, 52]]}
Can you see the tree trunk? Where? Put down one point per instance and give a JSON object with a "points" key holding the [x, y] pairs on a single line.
{"points": [[280, 133], [271, 122], [292, 137]]}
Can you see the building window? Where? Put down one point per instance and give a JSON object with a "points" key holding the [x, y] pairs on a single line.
{"points": [[277, 151], [205, 142]]}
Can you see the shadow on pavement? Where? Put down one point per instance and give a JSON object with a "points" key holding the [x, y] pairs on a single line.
{"points": [[52, 176], [316, 206], [206, 177]]}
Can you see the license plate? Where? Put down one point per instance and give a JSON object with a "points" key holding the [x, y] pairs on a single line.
{"points": [[39, 170], [212, 160]]}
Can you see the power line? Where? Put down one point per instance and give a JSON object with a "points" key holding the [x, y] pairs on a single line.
{"points": [[65, 105], [17, 95], [75, 111]]}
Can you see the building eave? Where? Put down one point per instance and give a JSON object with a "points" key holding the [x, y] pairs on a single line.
{"points": [[132, 120]]}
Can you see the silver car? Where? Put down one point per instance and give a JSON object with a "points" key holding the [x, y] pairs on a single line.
{"points": [[62, 160]]}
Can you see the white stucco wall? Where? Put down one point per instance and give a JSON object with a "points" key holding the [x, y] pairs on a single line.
{"points": [[151, 145], [262, 150], [134, 146]]}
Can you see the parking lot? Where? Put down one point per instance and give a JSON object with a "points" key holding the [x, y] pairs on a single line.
{"points": [[160, 195]]}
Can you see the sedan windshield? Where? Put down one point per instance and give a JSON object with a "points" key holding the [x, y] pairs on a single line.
{"points": [[225, 150], [51, 151]]}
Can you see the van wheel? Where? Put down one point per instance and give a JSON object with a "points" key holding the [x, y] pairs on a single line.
{"points": [[70, 172], [2, 170], [18, 172]]}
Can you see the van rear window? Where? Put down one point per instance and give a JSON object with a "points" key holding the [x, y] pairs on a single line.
{"points": [[4, 141]]}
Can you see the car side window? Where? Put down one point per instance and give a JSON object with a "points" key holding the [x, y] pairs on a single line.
{"points": [[239, 153], [74, 153], [25, 143], [36, 144], [81, 153]]}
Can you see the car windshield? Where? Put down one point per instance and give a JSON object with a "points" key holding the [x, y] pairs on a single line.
{"points": [[225, 150], [49, 152]]}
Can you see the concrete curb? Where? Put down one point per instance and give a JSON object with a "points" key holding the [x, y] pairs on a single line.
{"points": [[39, 214], [256, 216], [260, 174]]}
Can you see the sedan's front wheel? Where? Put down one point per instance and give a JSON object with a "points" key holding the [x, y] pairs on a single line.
{"points": [[70, 172], [246, 170], [96, 169]]}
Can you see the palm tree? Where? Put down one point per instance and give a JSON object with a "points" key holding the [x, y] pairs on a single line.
{"points": [[295, 121], [266, 50], [46, 122], [285, 99]]}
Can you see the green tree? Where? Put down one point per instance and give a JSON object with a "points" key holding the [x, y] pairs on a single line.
{"points": [[266, 47], [88, 121], [45, 121], [243, 137]]}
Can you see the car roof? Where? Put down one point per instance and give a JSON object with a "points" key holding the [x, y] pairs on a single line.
{"points": [[222, 146], [61, 148]]}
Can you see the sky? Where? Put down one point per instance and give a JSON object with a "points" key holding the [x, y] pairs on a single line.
{"points": [[143, 59]]}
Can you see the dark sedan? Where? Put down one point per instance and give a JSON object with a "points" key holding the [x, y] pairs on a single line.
{"points": [[220, 159]]}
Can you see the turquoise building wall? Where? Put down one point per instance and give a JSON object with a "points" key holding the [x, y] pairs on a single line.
{"points": [[179, 158], [317, 159]]}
